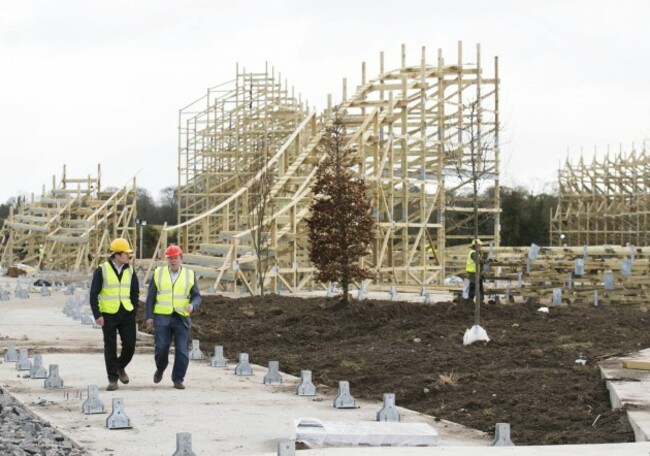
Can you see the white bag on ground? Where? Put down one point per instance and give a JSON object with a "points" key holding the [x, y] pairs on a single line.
{"points": [[475, 334]]}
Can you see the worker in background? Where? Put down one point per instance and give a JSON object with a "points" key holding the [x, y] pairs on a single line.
{"points": [[473, 266], [114, 294], [172, 297], [41, 255], [22, 253]]}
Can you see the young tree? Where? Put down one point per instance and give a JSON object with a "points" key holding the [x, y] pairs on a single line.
{"points": [[260, 206], [477, 147], [340, 227], [473, 167]]}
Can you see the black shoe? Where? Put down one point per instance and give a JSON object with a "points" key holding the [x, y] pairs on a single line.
{"points": [[157, 376], [112, 386], [179, 385], [123, 377]]}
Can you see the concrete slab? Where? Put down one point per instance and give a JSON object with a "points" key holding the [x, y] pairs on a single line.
{"points": [[625, 449], [317, 433], [630, 388], [640, 421], [39, 323], [615, 371], [626, 393]]}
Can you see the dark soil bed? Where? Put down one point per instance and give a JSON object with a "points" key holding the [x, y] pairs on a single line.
{"points": [[526, 375]]}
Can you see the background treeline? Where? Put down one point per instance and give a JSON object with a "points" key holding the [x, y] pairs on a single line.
{"points": [[525, 216]]}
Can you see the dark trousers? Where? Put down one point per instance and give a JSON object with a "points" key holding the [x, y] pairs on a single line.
{"points": [[122, 322], [472, 287], [176, 328]]}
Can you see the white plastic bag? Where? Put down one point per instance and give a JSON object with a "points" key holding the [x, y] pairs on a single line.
{"points": [[475, 334]]}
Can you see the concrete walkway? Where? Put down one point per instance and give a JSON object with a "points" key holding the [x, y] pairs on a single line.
{"points": [[225, 413], [630, 388]]}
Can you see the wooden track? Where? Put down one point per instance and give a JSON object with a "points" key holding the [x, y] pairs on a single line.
{"points": [[75, 222], [604, 202], [407, 127]]}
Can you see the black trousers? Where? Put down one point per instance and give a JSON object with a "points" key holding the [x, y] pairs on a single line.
{"points": [[122, 322], [472, 287]]}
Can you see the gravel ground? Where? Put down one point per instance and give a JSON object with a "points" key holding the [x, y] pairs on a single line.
{"points": [[23, 434]]}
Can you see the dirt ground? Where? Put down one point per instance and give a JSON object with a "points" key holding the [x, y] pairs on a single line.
{"points": [[526, 375]]}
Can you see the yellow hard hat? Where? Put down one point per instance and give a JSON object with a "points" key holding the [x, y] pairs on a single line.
{"points": [[120, 245], [477, 242]]}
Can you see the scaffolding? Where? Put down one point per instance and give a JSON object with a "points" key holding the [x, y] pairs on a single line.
{"points": [[73, 223], [422, 135], [221, 136], [604, 202]]}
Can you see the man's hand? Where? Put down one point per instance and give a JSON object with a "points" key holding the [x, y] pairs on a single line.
{"points": [[100, 321], [150, 323], [190, 308]]}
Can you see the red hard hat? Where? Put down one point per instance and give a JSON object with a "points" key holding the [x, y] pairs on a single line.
{"points": [[173, 250]]}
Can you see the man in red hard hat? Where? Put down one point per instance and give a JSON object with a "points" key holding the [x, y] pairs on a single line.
{"points": [[114, 297], [173, 295]]}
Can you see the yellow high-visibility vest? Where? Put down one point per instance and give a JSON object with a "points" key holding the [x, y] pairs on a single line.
{"points": [[173, 297], [470, 264], [114, 291]]}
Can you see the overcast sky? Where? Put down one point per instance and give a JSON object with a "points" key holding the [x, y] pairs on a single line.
{"points": [[84, 82]]}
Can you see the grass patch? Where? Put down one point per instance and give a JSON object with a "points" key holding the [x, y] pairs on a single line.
{"points": [[352, 365], [449, 379], [574, 345], [487, 412]]}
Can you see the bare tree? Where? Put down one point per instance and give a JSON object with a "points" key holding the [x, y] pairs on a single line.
{"points": [[475, 168], [260, 206], [475, 160], [341, 227]]}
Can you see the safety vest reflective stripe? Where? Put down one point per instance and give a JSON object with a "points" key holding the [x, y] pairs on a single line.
{"points": [[173, 297], [470, 265], [114, 291]]}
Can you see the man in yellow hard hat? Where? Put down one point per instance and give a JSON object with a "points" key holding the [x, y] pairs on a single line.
{"points": [[41, 256], [173, 295], [114, 295], [22, 253], [473, 266]]}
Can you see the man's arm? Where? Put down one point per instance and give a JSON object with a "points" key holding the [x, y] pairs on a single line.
{"points": [[478, 257], [152, 292], [134, 293], [195, 297], [95, 287]]}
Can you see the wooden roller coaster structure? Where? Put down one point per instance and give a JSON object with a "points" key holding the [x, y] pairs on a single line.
{"points": [[418, 132], [74, 222]]}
